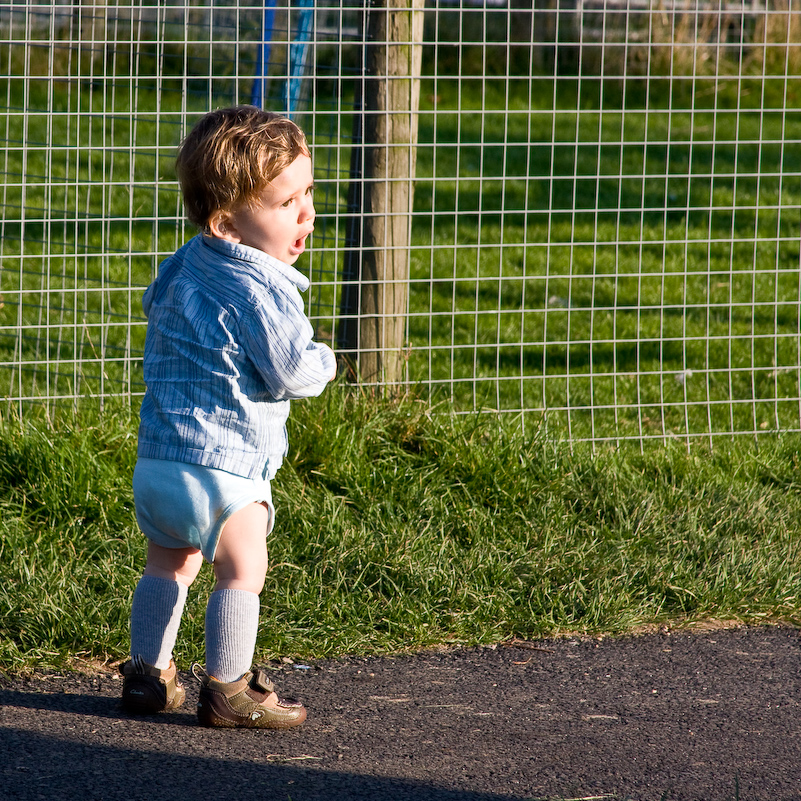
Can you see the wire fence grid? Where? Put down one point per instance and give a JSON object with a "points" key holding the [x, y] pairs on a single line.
{"points": [[603, 221]]}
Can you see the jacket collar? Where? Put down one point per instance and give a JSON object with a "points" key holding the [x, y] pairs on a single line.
{"points": [[261, 261]]}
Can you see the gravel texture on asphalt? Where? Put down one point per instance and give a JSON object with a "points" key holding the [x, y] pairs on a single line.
{"points": [[660, 717]]}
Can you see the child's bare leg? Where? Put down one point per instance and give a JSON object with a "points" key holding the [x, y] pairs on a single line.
{"points": [[175, 564], [158, 602], [240, 562], [232, 614]]}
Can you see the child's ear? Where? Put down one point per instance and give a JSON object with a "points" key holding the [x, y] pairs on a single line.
{"points": [[221, 226]]}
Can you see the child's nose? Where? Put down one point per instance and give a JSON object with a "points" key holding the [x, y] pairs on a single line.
{"points": [[307, 211]]}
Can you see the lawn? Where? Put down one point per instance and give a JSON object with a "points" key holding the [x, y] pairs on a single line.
{"points": [[623, 262], [399, 528], [605, 264]]}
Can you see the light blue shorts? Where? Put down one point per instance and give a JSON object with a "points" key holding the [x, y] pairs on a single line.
{"points": [[180, 505]]}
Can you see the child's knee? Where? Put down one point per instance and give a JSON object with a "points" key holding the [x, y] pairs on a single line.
{"points": [[241, 561], [242, 572]]}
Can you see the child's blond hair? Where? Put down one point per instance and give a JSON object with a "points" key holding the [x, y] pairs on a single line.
{"points": [[230, 156]]}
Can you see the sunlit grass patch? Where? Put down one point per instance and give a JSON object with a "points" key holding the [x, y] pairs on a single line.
{"points": [[399, 527]]}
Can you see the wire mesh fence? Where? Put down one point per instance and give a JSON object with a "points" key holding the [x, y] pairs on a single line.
{"points": [[602, 198]]}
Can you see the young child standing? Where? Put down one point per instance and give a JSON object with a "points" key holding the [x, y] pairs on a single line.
{"points": [[228, 346]]}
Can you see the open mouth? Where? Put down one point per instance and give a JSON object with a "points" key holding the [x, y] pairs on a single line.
{"points": [[300, 244]]}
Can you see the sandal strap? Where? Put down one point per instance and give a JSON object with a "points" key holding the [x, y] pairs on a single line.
{"points": [[261, 681]]}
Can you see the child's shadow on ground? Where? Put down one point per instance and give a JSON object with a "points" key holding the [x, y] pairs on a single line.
{"points": [[83, 747], [90, 705]]}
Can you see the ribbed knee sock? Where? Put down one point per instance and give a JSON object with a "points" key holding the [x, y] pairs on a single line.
{"points": [[155, 618], [232, 623]]}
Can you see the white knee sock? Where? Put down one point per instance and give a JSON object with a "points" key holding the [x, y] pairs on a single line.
{"points": [[155, 618], [232, 623]]}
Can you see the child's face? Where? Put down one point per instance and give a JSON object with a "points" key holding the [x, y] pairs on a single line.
{"points": [[282, 221]]}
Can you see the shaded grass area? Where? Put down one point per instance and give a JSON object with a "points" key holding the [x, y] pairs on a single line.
{"points": [[399, 528]]}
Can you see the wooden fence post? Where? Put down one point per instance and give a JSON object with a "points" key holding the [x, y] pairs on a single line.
{"points": [[391, 103]]}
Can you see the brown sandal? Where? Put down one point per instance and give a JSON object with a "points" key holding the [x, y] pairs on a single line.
{"points": [[241, 704], [147, 690]]}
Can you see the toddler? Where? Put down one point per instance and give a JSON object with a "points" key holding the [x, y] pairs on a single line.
{"points": [[228, 346]]}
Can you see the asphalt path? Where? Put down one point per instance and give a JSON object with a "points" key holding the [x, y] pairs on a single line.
{"points": [[659, 717]]}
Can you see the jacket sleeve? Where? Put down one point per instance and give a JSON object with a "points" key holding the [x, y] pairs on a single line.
{"points": [[279, 341]]}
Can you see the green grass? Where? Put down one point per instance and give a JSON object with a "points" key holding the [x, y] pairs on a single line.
{"points": [[603, 253], [576, 245], [399, 528]]}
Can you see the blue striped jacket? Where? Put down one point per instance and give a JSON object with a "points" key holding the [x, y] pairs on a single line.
{"points": [[228, 346]]}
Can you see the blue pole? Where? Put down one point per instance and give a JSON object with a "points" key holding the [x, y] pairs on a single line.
{"points": [[298, 54], [258, 92]]}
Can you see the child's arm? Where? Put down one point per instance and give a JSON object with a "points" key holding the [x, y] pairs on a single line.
{"points": [[280, 343]]}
